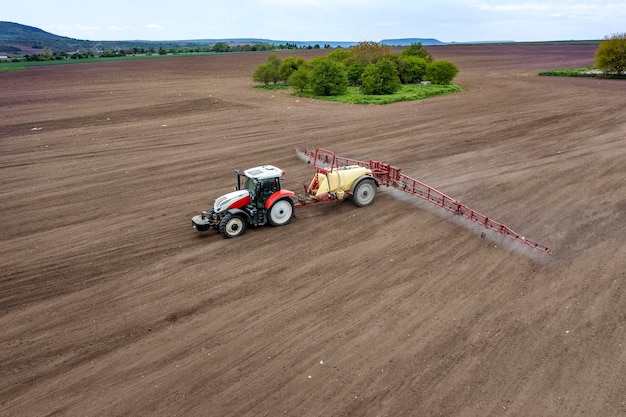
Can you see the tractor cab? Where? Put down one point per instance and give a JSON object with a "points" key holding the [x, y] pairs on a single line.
{"points": [[260, 182]]}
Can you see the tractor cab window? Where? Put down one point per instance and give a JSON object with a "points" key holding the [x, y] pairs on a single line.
{"points": [[267, 187], [250, 185]]}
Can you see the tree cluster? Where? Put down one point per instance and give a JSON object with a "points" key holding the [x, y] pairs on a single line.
{"points": [[369, 66], [218, 47]]}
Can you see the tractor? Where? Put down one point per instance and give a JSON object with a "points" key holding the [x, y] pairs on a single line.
{"points": [[258, 198]]}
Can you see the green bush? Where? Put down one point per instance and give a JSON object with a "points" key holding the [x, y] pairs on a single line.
{"points": [[417, 50], [413, 69], [369, 52], [380, 78], [268, 72], [329, 78], [265, 73], [441, 72], [288, 66], [611, 55], [300, 78], [355, 71], [339, 55]]}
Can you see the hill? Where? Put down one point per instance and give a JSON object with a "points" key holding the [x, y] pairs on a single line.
{"points": [[18, 39], [21, 39], [410, 41], [14, 31]]}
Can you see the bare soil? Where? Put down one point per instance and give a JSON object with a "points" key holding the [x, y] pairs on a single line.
{"points": [[110, 304]]}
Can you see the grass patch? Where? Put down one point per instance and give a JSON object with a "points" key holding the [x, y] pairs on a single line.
{"points": [[20, 65], [273, 87], [408, 92], [588, 71]]}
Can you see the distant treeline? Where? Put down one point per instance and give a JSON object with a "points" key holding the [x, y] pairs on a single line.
{"points": [[220, 47]]}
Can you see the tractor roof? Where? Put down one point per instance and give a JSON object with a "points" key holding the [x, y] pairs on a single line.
{"points": [[263, 172]]}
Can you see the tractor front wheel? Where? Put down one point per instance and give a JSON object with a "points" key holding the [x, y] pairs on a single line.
{"points": [[364, 193], [232, 226], [281, 212]]}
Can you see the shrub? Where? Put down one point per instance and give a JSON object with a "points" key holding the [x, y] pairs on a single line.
{"points": [[300, 78], [416, 49], [268, 72], [288, 66], [274, 60], [380, 78], [413, 69], [265, 73], [313, 62], [221, 47], [329, 78], [369, 52], [441, 72], [611, 54], [339, 55], [355, 71]]}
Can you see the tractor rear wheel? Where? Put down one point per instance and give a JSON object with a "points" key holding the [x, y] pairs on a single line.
{"points": [[364, 193], [232, 225], [281, 212]]}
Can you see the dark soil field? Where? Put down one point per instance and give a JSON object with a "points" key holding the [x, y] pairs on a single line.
{"points": [[112, 305]]}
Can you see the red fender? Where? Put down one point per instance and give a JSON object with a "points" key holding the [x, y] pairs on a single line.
{"points": [[277, 196]]}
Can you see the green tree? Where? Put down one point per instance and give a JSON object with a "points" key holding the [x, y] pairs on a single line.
{"points": [[413, 69], [329, 78], [300, 78], [416, 49], [355, 71], [265, 73], [221, 47], [268, 72], [380, 78], [611, 54], [275, 61], [369, 52], [441, 72], [288, 66], [339, 55]]}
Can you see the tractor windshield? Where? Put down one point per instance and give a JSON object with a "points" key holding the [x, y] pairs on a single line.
{"points": [[250, 185]]}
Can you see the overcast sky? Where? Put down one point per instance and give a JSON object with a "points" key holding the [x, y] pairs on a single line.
{"points": [[322, 20]]}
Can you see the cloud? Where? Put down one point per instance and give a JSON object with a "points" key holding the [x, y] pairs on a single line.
{"points": [[118, 28], [86, 28], [154, 26], [516, 7], [559, 7], [292, 3]]}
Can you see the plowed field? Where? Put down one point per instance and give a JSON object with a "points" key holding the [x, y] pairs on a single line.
{"points": [[111, 304]]}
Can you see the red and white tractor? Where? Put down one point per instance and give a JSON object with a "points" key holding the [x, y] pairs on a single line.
{"points": [[257, 200]]}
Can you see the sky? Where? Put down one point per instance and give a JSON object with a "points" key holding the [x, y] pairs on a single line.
{"points": [[323, 20]]}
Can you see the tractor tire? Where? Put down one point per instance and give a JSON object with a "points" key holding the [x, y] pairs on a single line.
{"points": [[281, 212], [232, 226], [364, 192]]}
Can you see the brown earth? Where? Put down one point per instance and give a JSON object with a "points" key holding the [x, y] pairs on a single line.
{"points": [[110, 304]]}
